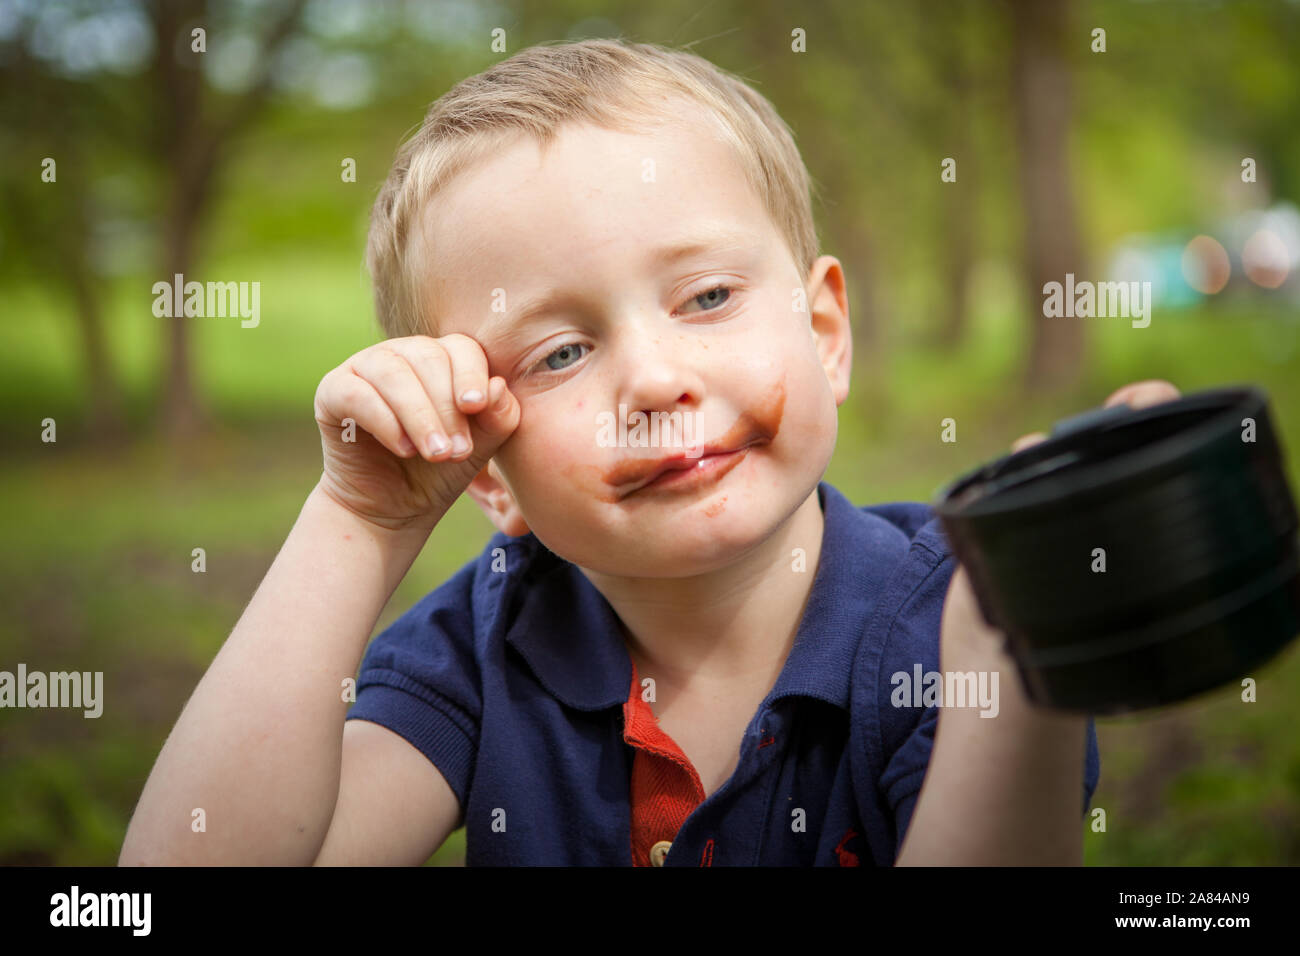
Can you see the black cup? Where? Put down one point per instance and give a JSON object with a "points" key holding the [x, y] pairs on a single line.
{"points": [[1137, 557]]}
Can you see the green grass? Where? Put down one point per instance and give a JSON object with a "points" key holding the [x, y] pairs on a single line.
{"points": [[96, 571]]}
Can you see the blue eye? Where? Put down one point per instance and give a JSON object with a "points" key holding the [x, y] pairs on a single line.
{"points": [[570, 349], [714, 297]]}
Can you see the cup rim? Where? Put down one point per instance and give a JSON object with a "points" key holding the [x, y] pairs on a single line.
{"points": [[1023, 479]]}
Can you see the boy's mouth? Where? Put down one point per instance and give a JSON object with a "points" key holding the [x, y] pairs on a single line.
{"points": [[719, 456], [691, 473], [637, 474]]}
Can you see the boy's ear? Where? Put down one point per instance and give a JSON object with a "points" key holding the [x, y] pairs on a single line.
{"points": [[497, 501], [828, 304]]}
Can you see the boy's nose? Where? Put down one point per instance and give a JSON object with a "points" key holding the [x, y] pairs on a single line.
{"points": [[658, 370]]}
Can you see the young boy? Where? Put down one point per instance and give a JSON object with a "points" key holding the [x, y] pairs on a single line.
{"points": [[673, 653]]}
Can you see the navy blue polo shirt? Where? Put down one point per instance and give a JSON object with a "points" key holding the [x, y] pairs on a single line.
{"points": [[511, 678]]}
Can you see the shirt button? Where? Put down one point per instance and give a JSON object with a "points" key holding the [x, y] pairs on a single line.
{"points": [[658, 852]]}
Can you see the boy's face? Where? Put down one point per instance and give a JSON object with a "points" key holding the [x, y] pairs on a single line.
{"points": [[584, 225]]}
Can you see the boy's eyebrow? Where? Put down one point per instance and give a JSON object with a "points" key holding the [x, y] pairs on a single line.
{"points": [[713, 237], [710, 237]]}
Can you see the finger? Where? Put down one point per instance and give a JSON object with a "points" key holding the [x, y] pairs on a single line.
{"points": [[501, 416], [351, 396], [434, 367], [492, 426], [469, 372], [1143, 394], [401, 388], [468, 384], [1026, 441]]}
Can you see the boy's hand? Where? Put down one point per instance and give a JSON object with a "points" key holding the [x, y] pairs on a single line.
{"points": [[403, 395], [963, 631]]}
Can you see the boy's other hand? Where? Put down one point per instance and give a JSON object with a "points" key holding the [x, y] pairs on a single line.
{"points": [[404, 396], [1139, 395]]}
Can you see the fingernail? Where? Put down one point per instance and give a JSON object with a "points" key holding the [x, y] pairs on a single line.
{"points": [[471, 395], [435, 443], [459, 445]]}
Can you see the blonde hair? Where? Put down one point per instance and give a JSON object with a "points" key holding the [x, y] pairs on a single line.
{"points": [[608, 82]]}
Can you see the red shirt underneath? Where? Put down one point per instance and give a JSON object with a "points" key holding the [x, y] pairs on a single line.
{"points": [[665, 785]]}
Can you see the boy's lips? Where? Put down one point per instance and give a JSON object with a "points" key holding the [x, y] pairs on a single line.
{"points": [[632, 476]]}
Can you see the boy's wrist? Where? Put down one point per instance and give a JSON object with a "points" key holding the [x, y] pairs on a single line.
{"points": [[384, 554], [398, 532]]}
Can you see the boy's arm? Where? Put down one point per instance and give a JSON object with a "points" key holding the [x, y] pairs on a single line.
{"points": [[395, 808], [1004, 790], [258, 746]]}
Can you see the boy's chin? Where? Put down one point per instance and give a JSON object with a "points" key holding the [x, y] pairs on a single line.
{"points": [[683, 552]]}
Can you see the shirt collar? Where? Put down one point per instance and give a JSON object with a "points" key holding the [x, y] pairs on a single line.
{"points": [[571, 638]]}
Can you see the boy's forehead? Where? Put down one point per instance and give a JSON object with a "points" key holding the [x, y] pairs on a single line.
{"points": [[527, 219]]}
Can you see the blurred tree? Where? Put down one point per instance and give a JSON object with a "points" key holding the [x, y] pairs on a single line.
{"points": [[162, 122], [193, 140], [58, 216], [955, 35], [835, 107], [1040, 79]]}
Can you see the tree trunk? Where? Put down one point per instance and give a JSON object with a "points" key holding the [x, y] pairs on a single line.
{"points": [[1041, 94], [181, 109], [58, 226], [194, 144], [183, 416], [105, 416], [958, 227]]}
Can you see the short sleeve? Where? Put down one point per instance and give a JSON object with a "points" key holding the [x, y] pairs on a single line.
{"points": [[905, 772], [420, 679]]}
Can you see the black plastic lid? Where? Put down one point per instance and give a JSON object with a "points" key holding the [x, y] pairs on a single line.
{"points": [[1129, 540]]}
